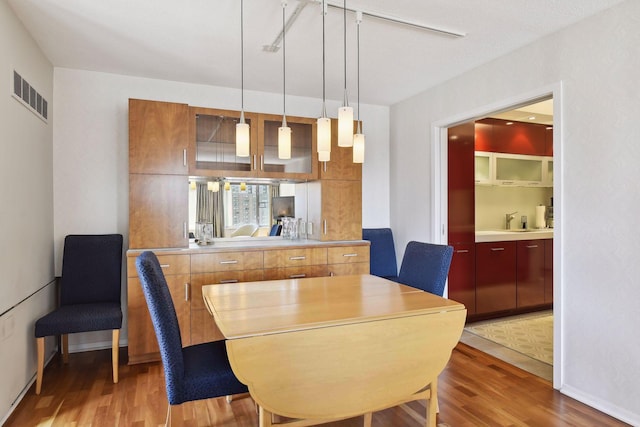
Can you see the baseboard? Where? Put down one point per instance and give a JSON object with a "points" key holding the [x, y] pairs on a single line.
{"points": [[605, 407]]}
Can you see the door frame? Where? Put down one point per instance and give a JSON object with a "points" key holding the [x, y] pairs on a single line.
{"points": [[439, 186]]}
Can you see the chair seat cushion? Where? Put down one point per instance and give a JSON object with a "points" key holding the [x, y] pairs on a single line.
{"points": [[207, 373], [69, 319]]}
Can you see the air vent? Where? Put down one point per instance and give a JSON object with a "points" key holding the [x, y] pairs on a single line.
{"points": [[29, 97]]}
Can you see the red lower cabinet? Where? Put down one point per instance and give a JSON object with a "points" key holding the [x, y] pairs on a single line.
{"points": [[495, 277], [548, 271], [530, 273], [462, 276]]}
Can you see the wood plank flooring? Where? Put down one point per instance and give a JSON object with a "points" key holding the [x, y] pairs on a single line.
{"points": [[475, 390]]}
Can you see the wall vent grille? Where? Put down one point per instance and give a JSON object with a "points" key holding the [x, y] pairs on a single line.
{"points": [[29, 97]]}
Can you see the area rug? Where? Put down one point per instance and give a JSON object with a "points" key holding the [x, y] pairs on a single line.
{"points": [[532, 336]]}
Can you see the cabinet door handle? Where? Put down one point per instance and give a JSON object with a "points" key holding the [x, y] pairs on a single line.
{"points": [[462, 251], [261, 162], [233, 261], [497, 249], [349, 255], [325, 166], [184, 230], [297, 276], [165, 265], [229, 281], [297, 258], [184, 157], [186, 292], [531, 246], [255, 164], [324, 226]]}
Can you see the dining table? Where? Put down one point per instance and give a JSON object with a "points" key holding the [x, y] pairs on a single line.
{"points": [[315, 350]]}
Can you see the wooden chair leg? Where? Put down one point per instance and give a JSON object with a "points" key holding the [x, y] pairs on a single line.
{"points": [[115, 350], [167, 422], [65, 348], [432, 405], [40, 345], [264, 417], [367, 419]]}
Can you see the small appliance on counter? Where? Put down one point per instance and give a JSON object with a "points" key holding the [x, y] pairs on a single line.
{"points": [[549, 214]]}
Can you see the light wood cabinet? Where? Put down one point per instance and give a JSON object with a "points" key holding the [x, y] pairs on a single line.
{"points": [[347, 260], [295, 263], [158, 137], [213, 146], [341, 210], [340, 166], [142, 342]]}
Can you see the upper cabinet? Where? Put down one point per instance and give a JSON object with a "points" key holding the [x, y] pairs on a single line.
{"points": [[158, 137], [341, 165], [497, 136], [213, 149]]}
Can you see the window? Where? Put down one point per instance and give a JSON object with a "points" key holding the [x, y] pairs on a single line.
{"points": [[249, 206]]}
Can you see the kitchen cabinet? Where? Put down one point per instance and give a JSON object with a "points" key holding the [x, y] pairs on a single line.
{"points": [[514, 170], [158, 137], [142, 342], [462, 276], [484, 166], [495, 277], [530, 273], [548, 271], [347, 260], [335, 210], [495, 135], [158, 211], [461, 189], [214, 149]]}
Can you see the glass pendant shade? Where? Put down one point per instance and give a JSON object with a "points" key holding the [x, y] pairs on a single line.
{"points": [[324, 156], [213, 186], [284, 142], [345, 126], [243, 186], [227, 186], [324, 134], [358, 148], [242, 137]]}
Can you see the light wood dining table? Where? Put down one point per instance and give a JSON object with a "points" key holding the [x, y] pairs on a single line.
{"points": [[315, 350]]}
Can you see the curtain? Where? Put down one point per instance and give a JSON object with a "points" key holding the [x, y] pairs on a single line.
{"points": [[209, 208]]}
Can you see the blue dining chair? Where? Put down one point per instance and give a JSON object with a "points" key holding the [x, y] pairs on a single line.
{"points": [[426, 266], [90, 288], [195, 372], [276, 229], [382, 252]]}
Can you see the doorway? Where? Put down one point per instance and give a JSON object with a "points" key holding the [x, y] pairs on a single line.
{"points": [[441, 186]]}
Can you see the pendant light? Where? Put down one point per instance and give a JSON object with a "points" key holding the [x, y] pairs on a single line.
{"points": [[284, 132], [358, 138], [345, 113], [324, 123], [242, 128], [213, 186]]}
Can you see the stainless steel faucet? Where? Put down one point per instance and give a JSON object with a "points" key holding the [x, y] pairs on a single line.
{"points": [[508, 219]]}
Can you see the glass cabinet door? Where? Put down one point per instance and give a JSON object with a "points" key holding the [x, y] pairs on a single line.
{"points": [[215, 144], [518, 169], [303, 161]]}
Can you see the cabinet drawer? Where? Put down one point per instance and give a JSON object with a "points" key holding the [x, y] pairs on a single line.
{"points": [[226, 261], [348, 254], [295, 257], [296, 272], [201, 279], [348, 269], [171, 264]]}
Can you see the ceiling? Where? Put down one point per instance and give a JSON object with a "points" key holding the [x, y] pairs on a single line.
{"points": [[198, 41], [539, 112]]}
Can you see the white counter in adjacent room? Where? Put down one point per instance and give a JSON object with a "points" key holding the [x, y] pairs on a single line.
{"points": [[510, 235]]}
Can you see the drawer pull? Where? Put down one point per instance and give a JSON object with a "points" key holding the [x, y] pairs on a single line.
{"points": [[229, 281], [531, 246], [297, 258], [462, 251], [349, 255], [233, 261], [497, 249], [165, 265], [297, 276], [186, 292]]}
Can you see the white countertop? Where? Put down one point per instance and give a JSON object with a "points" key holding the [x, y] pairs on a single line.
{"points": [[511, 235]]}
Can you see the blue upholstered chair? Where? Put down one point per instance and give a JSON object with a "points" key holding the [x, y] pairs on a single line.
{"points": [[382, 258], [426, 266], [89, 295], [276, 230], [200, 371]]}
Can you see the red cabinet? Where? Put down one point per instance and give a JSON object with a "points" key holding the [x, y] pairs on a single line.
{"points": [[462, 276], [548, 271], [530, 273], [495, 135], [495, 277]]}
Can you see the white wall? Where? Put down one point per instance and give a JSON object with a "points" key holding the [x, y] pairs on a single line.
{"points": [[26, 212], [91, 151], [493, 202], [597, 61]]}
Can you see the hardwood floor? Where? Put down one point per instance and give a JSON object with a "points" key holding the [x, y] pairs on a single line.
{"points": [[475, 389]]}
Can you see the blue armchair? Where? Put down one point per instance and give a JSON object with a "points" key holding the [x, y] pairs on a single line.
{"points": [[200, 371], [382, 258], [90, 289], [426, 266]]}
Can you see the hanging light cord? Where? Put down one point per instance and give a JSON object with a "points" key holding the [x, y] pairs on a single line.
{"points": [[344, 17], [358, 70], [324, 106], [242, 54], [284, 68]]}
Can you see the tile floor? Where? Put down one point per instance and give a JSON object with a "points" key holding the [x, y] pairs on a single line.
{"points": [[515, 358]]}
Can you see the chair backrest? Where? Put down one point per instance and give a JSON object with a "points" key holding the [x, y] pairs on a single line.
{"points": [[165, 322], [91, 269], [276, 229], [382, 258], [426, 266]]}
